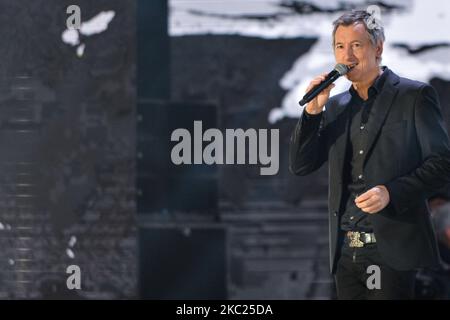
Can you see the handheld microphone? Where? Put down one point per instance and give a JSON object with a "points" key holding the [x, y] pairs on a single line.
{"points": [[339, 70]]}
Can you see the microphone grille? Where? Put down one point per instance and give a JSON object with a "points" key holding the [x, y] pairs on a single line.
{"points": [[341, 68]]}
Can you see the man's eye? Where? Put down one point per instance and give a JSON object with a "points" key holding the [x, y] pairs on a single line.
{"points": [[339, 46], [356, 45]]}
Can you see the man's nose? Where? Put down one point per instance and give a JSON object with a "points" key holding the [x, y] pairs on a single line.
{"points": [[348, 54]]}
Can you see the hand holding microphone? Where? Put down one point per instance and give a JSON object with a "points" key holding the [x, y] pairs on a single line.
{"points": [[319, 89]]}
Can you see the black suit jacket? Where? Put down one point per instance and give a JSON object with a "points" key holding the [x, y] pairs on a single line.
{"points": [[407, 151]]}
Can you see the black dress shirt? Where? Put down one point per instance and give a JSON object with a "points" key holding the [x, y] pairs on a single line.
{"points": [[353, 218]]}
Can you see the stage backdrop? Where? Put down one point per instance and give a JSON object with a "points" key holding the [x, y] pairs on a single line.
{"points": [[67, 137]]}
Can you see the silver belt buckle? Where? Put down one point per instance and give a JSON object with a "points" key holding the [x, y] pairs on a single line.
{"points": [[355, 241], [369, 238]]}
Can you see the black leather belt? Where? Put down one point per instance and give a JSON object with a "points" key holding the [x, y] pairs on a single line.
{"points": [[359, 239]]}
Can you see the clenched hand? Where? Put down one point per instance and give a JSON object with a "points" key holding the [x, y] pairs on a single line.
{"points": [[373, 200]]}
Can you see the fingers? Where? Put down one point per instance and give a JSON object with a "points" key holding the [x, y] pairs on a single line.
{"points": [[315, 105], [331, 86], [313, 83], [317, 80], [372, 209], [371, 205], [366, 195], [371, 201]]}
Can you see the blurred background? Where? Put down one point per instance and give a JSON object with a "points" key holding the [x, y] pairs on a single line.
{"points": [[85, 130]]}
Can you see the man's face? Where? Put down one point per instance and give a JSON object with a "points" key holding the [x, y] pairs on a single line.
{"points": [[352, 45]]}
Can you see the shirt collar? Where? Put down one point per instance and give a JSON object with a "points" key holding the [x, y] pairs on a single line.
{"points": [[375, 88]]}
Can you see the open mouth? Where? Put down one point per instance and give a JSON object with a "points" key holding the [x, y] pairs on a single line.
{"points": [[351, 66]]}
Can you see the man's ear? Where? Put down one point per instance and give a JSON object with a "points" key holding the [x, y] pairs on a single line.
{"points": [[379, 49]]}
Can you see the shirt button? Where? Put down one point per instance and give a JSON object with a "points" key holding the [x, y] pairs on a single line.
{"points": [[362, 127], [361, 151], [335, 213], [351, 218], [360, 176]]}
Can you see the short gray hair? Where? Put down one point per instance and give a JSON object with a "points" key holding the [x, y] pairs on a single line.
{"points": [[375, 31]]}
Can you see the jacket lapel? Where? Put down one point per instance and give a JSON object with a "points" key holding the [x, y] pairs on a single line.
{"points": [[342, 132], [377, 116], [380, 110]]}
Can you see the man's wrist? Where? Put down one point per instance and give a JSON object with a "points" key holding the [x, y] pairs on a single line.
{"points": [[312, 114]]}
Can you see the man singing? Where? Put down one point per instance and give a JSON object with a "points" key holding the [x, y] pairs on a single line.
{"points": [[388, 151]]}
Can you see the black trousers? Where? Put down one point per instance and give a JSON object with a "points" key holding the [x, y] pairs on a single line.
{"points": [[352, 275]]}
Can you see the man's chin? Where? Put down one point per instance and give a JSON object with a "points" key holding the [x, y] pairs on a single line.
{"points": [[352, 75]]}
